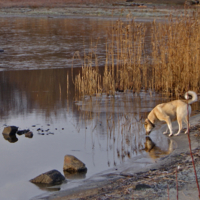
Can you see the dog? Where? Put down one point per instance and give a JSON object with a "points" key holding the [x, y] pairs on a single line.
{"points": [[168, 111]]}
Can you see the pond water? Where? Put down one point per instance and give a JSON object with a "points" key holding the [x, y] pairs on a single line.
{"points": [[103, 132]]}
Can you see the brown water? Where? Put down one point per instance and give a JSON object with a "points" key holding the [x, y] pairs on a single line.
{"points": [[103, 132]]}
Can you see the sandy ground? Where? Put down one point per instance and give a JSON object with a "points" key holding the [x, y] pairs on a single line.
{"points": [[157, 181]]}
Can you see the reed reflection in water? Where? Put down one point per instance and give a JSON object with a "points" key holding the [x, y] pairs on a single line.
{"points": [[102, 131], [38, 43]]}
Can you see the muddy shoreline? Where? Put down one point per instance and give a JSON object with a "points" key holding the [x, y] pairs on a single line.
{"points": [[157, 181], [74, 10]]}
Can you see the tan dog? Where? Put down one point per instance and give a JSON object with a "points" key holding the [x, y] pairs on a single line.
{"points": [[169, 111]]}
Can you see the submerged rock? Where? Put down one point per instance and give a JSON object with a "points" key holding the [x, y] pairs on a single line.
{"points": [[1, 50], [21, 132], [52, 177], [73, 164]]}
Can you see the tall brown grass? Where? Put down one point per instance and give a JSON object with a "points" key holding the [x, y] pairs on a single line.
{"points": [[171, 67]]}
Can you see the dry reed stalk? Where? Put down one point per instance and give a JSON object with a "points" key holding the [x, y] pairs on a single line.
{"points": [[176, 184], [189, 143]]}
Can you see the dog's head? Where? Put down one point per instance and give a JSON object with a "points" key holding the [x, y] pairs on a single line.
{"points": [[148, 125]]}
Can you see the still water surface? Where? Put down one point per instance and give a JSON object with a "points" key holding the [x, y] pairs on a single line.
{"points": [[102, 131]]}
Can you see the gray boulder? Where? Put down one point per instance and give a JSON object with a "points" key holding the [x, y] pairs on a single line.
{"points": [[52, 177], [73, 164]]}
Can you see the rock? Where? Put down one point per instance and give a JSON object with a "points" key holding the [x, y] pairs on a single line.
{"points": [[21, 132], [73, 164], [29, 134], [142, 186], [52, 177], [10, 131], [1, 50]]}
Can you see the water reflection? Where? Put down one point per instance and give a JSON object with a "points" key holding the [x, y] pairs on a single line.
{"points": [[76, 175], [155, 151], [11, 139], [114, 119], [46, 187], [49, 42]]}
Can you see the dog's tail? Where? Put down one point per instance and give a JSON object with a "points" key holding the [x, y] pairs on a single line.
{"points": [[194, 97]]}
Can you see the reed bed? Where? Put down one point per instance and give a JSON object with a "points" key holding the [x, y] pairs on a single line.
{"points": [[175, 55], [168, 63]]}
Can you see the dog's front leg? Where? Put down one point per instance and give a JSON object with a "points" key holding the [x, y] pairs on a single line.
{"points": [[165, 131], [169, 124], [170, 127]]}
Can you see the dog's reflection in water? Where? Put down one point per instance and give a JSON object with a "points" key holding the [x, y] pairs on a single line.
{"points": [[155, 151]]}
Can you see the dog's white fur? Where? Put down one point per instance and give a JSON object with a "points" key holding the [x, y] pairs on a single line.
{"points": [[168, 111]]}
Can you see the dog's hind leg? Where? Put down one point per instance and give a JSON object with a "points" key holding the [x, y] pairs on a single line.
{"points": [[188, 125], [180, 125]]}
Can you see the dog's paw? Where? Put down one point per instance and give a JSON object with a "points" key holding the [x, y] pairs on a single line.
{"points": [[164, 132], [176, 134], [170, 134]]}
